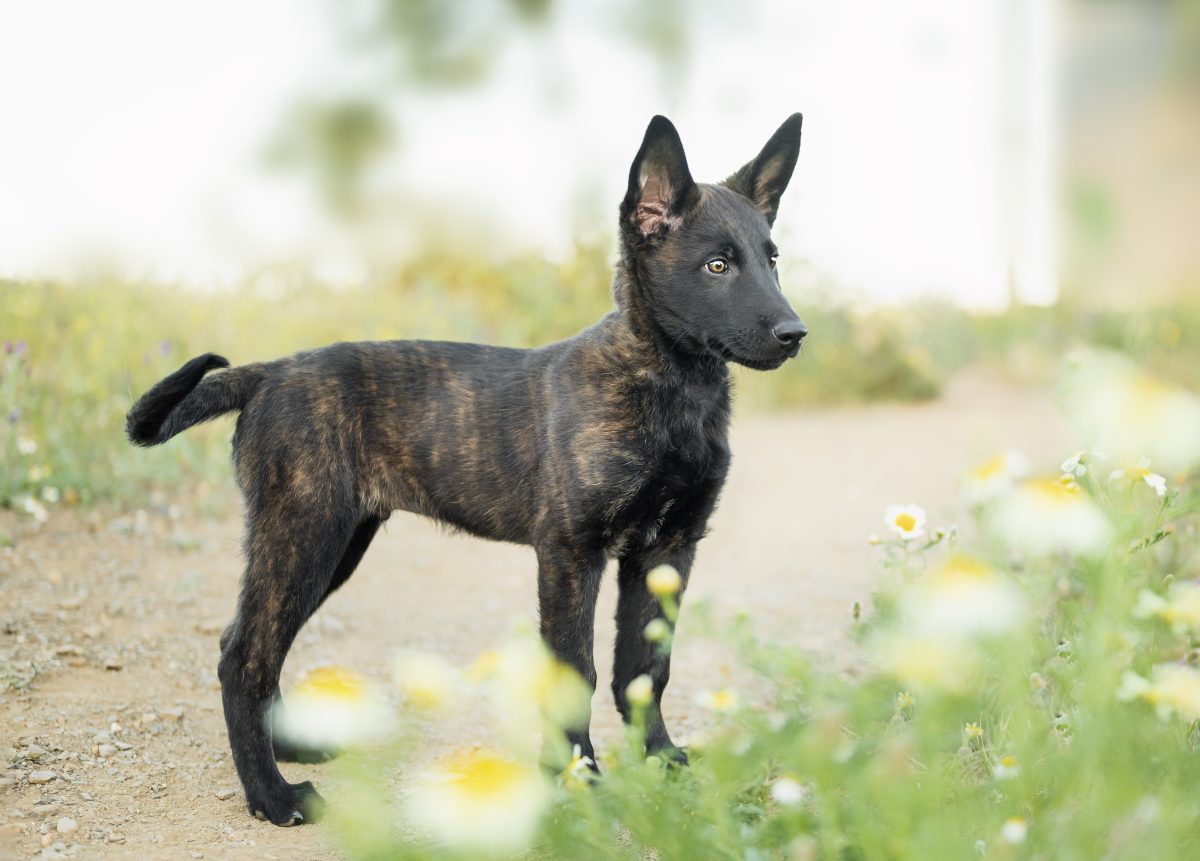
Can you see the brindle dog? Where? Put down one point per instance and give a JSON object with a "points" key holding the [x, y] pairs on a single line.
{"points": [[611, 444]]}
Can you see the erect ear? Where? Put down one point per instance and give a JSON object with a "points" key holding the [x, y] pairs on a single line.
{"points": [[660, 185], [764, 179]]}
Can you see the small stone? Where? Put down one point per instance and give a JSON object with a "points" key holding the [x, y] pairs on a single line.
{"points": [[148, 717], [68, 649], [226, 793], [174, 713], [123, 745], [66, 825], [102, 738], [116, 837], [105, 750], [113, 663], [35, 751], [41, 776]]}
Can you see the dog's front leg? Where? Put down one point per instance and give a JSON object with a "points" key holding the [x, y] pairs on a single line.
{"points": [[635, 654], [568, 583]]}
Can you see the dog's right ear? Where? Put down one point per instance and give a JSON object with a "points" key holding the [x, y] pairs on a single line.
{"points": [[660, 185]]}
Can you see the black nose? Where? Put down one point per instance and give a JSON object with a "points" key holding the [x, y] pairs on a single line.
{"points": [[790, 332]]}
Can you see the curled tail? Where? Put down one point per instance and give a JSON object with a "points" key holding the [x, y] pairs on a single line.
{"points": [[185, 398]]}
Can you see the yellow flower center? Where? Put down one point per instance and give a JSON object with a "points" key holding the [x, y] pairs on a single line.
{"points": [[484, 775], [906, 522], [990, 469]]}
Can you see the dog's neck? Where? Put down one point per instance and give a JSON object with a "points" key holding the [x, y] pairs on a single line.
{"points": [[640, 331]]}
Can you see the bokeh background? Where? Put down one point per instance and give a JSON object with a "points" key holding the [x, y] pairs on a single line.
{"points": [[984, 181]]}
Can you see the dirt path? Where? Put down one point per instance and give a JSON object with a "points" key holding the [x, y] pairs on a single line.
{"points": [[121, 618]]}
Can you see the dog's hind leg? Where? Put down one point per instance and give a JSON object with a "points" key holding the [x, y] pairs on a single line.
{"points": [[635, 655], [292, 558], [286, 751], [568, 584]]}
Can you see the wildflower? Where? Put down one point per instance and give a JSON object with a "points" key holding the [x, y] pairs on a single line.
{"points": [[874, 540], [50, 494], [905, 700], [26, 446], [926, 661], [788, 791], [1006, 768], [479, 801], [657, 631], [1133, 415], [426, 681], [1046, 516], [332, 707], [723, 700], [1076, 464], [663, 581], [1014, 830], [1142, 472], [1180, 609], [530, 685], [907, 521], [962, 597], [1038, 682], [640, 691], [1171, 689], [579, 770], [33, 508], [995, 477], [973, 731]]}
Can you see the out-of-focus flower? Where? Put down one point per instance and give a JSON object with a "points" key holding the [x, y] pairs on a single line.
{"points": [[1076, 464], [427, 681], [1014, 830], [962, 597], [926, 661], [1171, 689], [907, 521], [663, 581], [905, 700], [1006, 768], [530, 687], [37, 473], [723, 700], [333, 707], [788, 791], [1180, 608], [579, 770], [973, 731], [657, 631], [995, 477], [1141, 472], [480, 801], [1045, 516], [640, 692], [33, 508], [1132, 415], [26, 446], [874, 540], [50, 494]]}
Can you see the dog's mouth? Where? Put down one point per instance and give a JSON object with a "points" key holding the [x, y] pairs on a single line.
{"points": [[719, 349]]}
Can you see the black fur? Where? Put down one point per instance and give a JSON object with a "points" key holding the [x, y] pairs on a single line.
{"points": [[611, 444]]}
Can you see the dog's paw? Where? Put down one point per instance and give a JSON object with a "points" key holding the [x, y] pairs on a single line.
{"points": [[670, 755], [288, 752], [293, 804]]}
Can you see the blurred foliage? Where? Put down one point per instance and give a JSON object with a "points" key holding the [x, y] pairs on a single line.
{"points": [[86, 351]]}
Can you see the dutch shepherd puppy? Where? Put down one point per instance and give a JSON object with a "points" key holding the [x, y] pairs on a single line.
{"points": [[610, 444]]}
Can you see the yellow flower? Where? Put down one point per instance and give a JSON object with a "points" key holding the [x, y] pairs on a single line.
{"points": [[529, 688], [1014, 830], [1046, 516], [332, 707], [1005, 768], [905, 700], [427, 681], [1171, 689], [926, 661], [663, 581], [479, 801], [723, 700], [1180, 609], [579, 770], [995, 476], [973, 730], [907, 521], [1141, 473]]}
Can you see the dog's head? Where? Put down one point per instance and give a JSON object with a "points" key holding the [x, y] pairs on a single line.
{"points": [[702, 255]]}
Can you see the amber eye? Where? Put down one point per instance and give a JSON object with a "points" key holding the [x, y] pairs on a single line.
{"points": [[717, 266], [774, 260]]}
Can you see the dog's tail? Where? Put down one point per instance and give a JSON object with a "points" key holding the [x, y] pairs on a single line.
{"points": [[185, 398]]}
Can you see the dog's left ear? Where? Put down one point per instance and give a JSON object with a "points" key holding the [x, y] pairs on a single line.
{"points": [[764, 179], [661, 188]]}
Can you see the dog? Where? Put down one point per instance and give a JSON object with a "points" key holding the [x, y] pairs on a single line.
{"points": [[610, 444]]}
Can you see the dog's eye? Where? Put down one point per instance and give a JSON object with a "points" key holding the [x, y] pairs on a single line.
{"points": [[774, 260], [717, 266]]}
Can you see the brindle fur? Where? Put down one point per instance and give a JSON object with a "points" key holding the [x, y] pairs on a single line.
{"points": [[611, 444]]}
